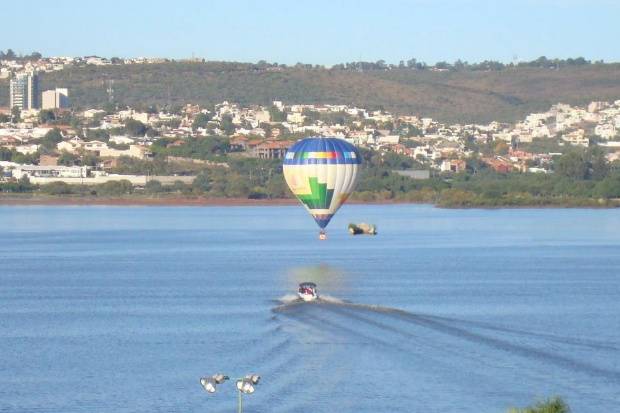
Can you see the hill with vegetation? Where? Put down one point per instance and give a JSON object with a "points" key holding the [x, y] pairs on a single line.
{"points": [[450, 94]]}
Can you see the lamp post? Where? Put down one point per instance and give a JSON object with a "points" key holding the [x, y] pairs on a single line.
{"points": [[245, 385]]}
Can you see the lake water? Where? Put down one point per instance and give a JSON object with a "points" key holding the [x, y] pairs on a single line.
{"points": [[116, 309]]}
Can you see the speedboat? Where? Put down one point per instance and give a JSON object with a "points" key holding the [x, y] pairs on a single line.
{"points": [[307, 291]]}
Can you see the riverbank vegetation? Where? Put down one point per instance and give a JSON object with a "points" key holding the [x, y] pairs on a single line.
{"points": [[582, 178]]}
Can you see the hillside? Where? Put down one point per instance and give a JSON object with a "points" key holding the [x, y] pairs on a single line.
{"points": [[463, 96]]}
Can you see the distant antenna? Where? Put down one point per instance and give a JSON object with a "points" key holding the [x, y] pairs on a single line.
{"points": [[515, 59], [110, 90]]}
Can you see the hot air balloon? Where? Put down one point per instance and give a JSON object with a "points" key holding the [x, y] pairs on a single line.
{"points": [[321, 173]]}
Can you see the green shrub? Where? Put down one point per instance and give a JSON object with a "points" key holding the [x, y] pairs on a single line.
{"points": [[552, 405], [57, 188]]}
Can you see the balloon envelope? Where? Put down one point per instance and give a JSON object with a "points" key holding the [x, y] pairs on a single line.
{"points": [[322, 173]]}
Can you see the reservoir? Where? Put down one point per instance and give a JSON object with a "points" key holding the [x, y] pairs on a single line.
{"points": [[124, 309]]}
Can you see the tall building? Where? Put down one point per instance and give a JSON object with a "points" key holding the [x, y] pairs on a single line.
{"points": [[24, 91], [55, 99]]}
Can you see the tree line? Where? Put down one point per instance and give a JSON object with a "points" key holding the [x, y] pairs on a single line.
{"points": [[460, 65], [11, 55], [412, 63]]}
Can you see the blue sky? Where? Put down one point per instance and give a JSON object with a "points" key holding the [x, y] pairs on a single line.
{"points": [[319, 31]]}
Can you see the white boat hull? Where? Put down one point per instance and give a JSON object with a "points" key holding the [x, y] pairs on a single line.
{"points": [[307, 297]]}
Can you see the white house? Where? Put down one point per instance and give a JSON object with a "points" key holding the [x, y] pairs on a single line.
{"points": [[576, 138], [122, 140], [95, 146], [72, 145], [605, 131], [27, 149], [134, 151], [32, 171], [388, 140]]}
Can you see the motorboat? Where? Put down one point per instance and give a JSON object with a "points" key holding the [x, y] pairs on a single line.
{"points": [[307, 291]]}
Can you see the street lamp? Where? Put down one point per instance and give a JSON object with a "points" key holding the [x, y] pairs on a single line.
{"points": [[245, 385], [210, 383]]}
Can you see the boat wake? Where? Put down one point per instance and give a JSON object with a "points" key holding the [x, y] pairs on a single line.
{"points": [[288, 299], [293, 300], [405, 331]]}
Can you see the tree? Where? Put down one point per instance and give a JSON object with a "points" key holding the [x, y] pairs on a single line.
{"points": [[151, 133], [202, 182], [89, 159], [608, 187], [572, 165], [413, 130], [153, 187], [115, 188], [16, 113], [57, 188], [97, 135], [276, 187], [51, 139], [46, 116], [5, 154], [21, 185], [201, 120], [598, 163], [67, 159], [135, 127], [24, 184], [227, 125], [394, 160], [179, 186], [236, 186], [276, 115]]}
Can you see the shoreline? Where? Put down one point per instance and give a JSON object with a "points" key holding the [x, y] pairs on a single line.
{"points": [[218, 202], [172, 201], [112, 201]]}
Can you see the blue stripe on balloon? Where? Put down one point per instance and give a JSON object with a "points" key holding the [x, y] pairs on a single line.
{"points": [[322, 220], [343, 149]]}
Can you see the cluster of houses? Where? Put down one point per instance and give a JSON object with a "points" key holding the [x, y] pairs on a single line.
{"points": [[268, 131], [9, 66]]}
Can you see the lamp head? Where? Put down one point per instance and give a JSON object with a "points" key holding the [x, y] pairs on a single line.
{"points": [[245, 386], [220, 378], [254, 378], [209, 384]]}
